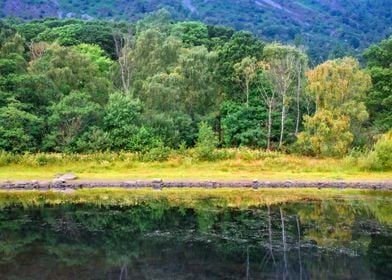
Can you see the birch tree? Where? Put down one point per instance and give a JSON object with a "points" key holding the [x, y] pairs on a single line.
{"points": [[269, 97], [246, 72], [124, 47], [300, 67], [339, 88], [280, 72]]}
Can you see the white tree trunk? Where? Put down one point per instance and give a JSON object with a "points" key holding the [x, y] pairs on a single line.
{"points": [[269, 126], [282, 123]]}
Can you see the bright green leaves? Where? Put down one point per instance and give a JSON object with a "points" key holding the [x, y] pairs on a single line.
{"points": [[326, 133], [339, 88]]}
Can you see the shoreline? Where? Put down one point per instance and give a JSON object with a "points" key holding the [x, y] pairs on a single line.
{"points": [[62, 185]]}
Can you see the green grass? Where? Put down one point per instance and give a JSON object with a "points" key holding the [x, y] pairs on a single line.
{"points": [[241, 164]]}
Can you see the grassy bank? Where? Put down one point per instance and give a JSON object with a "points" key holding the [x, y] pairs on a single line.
{"points": [[230, 165]]}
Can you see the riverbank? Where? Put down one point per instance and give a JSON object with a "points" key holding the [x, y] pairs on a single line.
{"points": [[240, 164], [159, 184]]}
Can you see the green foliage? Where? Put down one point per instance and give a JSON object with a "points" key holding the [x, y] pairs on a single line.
{"points": [[325, 134], [60, 77], [158, 153], [93, 140], [70, 70], [244, 126], [339, 87], [380, 157], [379, 99], [20, 131], [69, 119], [206, 142], [122, 120]]}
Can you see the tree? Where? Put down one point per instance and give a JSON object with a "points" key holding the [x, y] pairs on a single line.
{"points": [[122, 120], [242, 44], [71, 69], [280, 71], [154, 54], [243, 126], [340, 85], [20, 131], [246, 72], [326, 133], [300, 67], [124, 47], [192, 33], [339, 88], [379, 99], [206, 142], [269, 98], [197, 67], [69, 119]]}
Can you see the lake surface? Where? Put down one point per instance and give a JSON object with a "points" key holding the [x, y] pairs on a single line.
{"points": [[329, 239]]}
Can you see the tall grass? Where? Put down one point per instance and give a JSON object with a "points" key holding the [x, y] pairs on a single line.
{"points": [[242, 163]]}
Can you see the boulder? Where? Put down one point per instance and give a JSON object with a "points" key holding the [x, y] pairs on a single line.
{"points": [[68, 177], [58, 181]]}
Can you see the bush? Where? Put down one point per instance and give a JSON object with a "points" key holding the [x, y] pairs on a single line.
{"points": [[7, 158], [380, 158], [325, 134], [159, 153], [248, 154], [206, 142], [224, 154]]}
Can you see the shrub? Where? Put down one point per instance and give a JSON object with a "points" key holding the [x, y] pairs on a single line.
{"points": [[224, 154], [158, 153], [206, 142], [380, 158], [325, 134]]}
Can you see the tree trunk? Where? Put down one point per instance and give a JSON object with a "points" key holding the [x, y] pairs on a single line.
{"points": [[247, 94], [282, 123], [298, 108], [269, 126], [299, 76]]}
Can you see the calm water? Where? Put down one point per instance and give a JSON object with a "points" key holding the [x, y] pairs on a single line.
{"points": [[315, 240]]}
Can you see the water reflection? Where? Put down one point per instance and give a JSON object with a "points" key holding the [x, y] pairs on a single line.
{"points": [[314, 240]]}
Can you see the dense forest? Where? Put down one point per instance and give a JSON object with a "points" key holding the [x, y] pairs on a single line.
{"points": [[85, 86], [330, 29]]}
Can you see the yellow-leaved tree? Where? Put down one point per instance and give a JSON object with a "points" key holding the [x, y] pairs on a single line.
{"points": [[339, 88]]}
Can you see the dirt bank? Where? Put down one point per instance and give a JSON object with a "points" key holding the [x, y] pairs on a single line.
{"points": [[159, 184]]}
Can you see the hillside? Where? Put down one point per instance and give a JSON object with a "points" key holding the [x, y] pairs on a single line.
{"points": [[328, 28]]}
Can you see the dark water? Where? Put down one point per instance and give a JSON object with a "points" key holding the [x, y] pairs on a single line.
{"points": [[315, 240]]}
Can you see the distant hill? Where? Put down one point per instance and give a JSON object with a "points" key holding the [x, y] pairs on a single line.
{"points": [[330, 28]]}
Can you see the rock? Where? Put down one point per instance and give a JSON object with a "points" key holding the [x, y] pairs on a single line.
{"points": [[157, 181], [68, 177], [58, 181], [255, 184]]}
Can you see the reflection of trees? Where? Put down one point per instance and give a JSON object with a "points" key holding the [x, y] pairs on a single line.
{"points": [[138, 242], [331, 223]]}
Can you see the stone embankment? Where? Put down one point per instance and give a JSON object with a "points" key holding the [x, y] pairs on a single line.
{"points": [[62, 184]]}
